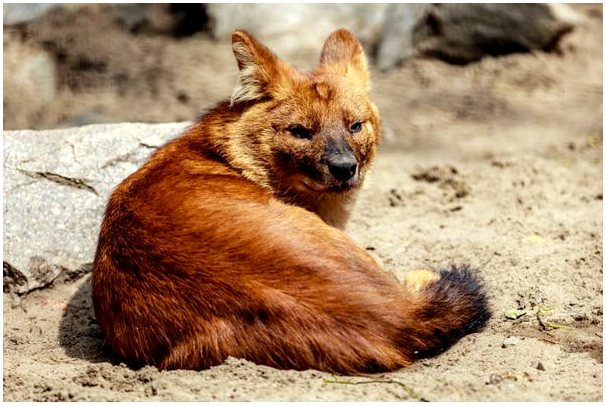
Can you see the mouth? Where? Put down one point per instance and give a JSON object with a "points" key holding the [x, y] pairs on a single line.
{"points": [[333, 187], [342, 187]]}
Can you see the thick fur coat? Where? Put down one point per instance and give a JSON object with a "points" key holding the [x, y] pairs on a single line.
{"points": [[228, 241]]}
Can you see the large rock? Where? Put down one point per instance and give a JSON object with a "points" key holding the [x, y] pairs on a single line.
{"points": [[458, 33], [462, 33], [397, 40], [56, 184], [297, 31]]}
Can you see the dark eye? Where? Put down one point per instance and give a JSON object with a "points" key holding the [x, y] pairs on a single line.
{"points": [[355, 127], [300, 132]]}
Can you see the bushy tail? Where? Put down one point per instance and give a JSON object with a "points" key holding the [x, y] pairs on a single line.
{"points": [[448, 304]]}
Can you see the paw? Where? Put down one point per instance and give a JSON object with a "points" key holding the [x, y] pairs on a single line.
{"points": [[417, 279]]}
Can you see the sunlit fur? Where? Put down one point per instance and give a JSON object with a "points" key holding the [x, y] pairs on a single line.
{"points": [[227, 241]]}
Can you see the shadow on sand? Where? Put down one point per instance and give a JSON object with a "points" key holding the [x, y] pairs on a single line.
{"points": [[79, 334]]}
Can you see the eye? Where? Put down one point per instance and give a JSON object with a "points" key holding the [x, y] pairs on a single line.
{"points": [[355, 127], [300, 132]]}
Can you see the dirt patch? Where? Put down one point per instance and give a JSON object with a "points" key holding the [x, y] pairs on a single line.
{"points": [[497, 164], [447, 179]]}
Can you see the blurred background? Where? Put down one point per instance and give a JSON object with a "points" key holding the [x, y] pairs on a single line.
{"points": [[460, 68]]}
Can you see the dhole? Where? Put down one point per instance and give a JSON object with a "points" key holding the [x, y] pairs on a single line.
{"points": [[227, 241]]}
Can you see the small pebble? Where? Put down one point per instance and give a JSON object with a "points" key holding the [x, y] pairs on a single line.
{"points": [[540, 366], [510, 342], [494, 379]]}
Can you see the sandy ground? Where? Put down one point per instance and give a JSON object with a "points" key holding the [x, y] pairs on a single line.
{"points": [[498, 164]]}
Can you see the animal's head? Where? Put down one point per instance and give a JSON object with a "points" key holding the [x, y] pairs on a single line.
{"points": [[313, 132]]}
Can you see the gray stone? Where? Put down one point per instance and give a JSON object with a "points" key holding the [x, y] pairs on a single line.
{"points": [[56, 184], [462, 33], [397, 43], [510, 342], [294, 31], [17, 13], [391, 33]]}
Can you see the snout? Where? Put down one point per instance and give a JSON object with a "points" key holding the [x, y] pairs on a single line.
{"points": [[343, 166]]}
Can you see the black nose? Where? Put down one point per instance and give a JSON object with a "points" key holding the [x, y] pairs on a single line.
{"points": [[343, 167]]}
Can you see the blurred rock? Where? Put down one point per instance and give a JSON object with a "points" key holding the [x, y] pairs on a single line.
{"points": [[390, 33], [397, 41], [17, 13], [457, 33], [30, 81], [296, 31], [189, 18], [176, 19], [134, 16], [56, 184], [462, 33]]}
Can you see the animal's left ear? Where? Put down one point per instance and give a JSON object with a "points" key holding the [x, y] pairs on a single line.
{"points": [[343, 54]]}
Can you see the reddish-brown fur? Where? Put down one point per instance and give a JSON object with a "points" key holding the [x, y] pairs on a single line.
{"points": [[227, 241]]}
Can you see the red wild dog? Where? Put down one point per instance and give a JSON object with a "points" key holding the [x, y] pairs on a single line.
{"points": [[227, 242]]}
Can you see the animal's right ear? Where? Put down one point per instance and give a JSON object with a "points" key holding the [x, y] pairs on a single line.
{"points": [[258, 68], [343, 54]]}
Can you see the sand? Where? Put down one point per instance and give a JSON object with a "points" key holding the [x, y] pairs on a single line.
{"points": [[497, 164]]}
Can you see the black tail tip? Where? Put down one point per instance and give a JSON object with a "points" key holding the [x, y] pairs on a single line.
{"points": [[458, 304], [463, 286]]}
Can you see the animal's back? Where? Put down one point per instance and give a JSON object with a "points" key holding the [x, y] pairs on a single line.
{"points": [[206, 264]]}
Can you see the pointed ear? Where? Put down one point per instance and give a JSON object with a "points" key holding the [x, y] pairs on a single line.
{"points": [[258, 67], [343, 54]]}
